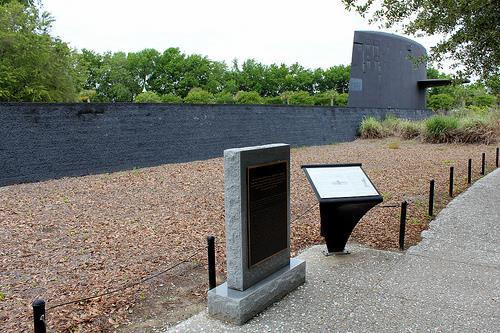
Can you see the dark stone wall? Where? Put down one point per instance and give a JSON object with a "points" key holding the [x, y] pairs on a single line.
{"points": [[45, 141]]}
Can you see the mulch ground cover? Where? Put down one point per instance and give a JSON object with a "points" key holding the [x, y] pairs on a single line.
{"points": [[71, 238]]}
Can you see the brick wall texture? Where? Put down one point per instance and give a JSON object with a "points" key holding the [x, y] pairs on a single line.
{"points": [[47, 141]]}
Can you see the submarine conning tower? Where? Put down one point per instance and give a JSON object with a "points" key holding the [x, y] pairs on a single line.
{"points": [[387, 72]]}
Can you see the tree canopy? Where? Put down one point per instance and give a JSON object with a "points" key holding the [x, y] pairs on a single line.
{"points": [[471, 29], [34, 66]]}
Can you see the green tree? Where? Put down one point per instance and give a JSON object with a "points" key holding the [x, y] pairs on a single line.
{"points": [[34, 66], [336, 78], [26, 3], [275, 78], [142, 66], [252, 77], [471, 29], [199, 96], [88, 64], [115, 82], [195, 72], [169, 72]]}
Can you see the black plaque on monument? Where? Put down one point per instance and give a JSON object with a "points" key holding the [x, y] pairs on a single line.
{"points": [[345, 194], [267, 211]]}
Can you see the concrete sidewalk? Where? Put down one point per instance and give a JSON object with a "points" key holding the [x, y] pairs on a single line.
{"points": [[450, 282]]}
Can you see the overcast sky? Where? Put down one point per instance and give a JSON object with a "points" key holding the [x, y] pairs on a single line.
{"points": [[315, 33]]}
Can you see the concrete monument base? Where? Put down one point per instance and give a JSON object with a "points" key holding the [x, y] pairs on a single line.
{"points": [[237, 307]]}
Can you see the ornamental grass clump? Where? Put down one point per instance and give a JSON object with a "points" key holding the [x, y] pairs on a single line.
{"points": [[410, 129], [476, 129], [371, 128], [441, 129], [391, 124]]}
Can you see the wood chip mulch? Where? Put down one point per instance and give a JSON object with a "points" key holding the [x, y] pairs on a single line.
{"points": [[76, 237]]}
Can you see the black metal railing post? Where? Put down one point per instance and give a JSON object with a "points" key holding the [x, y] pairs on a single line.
{"points": [[402, 225], [451, 181], [431, 198], [483, 163], [469, 172], [496, 158], [211, 262], [39, 315]]}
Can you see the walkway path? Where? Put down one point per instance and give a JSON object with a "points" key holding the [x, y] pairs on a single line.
{"points": [[450, 282]]}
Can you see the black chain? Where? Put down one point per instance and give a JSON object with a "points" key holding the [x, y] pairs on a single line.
{"points": [[130, 285]]}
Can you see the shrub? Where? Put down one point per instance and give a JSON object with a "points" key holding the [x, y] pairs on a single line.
{"points": [[441, 102], [147, 97], [224, 97], [476, 129], [248, 97], [476, 110], [171, 98], [441, 128], [86, 96], [199, 96], [409, 129], [273, 100], [484, 100], [326, 98], [341, 99], [371, 128], [300, 98]]}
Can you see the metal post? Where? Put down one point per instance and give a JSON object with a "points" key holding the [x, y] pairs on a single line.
{"points": [[402, 225], [496, 159], [39, 315], [211, 262], [431, 198], [483, 162], [469, 172], [451, 181]]}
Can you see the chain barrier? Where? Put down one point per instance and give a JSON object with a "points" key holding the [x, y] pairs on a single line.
{"points": [[130, 285]]}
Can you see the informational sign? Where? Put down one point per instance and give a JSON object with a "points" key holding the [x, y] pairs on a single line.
{"points": [[331, 182], [267, 210]]}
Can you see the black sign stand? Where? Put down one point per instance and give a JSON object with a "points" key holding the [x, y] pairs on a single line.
{"points": [[339, 216]]}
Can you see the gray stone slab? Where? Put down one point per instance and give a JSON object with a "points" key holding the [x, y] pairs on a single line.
{"points": [[237, 307], [239, 275]]}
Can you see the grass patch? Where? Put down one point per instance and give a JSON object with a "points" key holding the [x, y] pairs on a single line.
{"points": [[393, 145], [414, 221]]}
